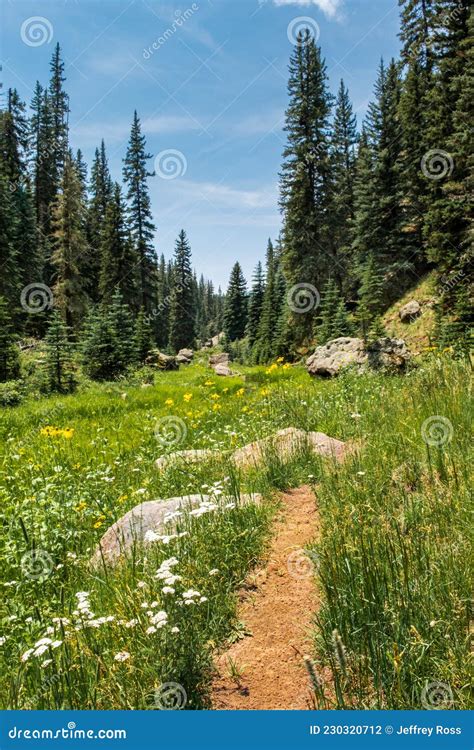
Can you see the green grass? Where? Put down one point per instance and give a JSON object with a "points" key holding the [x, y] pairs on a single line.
{"points": [[393, 551]]}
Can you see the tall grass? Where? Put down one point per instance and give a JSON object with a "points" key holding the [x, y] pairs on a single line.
{"points": [[393, 548]]}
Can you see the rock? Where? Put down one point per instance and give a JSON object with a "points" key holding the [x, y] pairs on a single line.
{"points": [[185, 356], [387, 353], [167, 362], [120, 538], [330, 359], [222, 370], [285, 444], [409, 312], [186, 457], [219, 359]]}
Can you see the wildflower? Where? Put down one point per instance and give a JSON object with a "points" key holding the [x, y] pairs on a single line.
{"points": [[264, 391], [122, 656], [141, 584], [203, 599], [68, 433], [214, 572], [240, 392], [151, 630], [46, 663], [208, 382], [131, 623], [175, 629], [215, 396], [27, 654], [2, 640], [355, 415], [286, 366], [159, 619], [216, 407], [169, 402], [98, 524], [168, 590], [187, 397]]}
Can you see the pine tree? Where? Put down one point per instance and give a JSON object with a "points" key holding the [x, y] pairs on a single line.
{"points": [[333, 317], [143, 336], [235, 314], [264, 346], [109, 344], [342, 153], [59, 103], [69, 245], [117, 259], [9, 354], [101, 192], [305, 176], [416, 18], [59, 365], [255, 304], [140, 218], [182, 315], [370, 296]]}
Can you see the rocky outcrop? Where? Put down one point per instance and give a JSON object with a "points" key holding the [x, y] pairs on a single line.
{"points": [[158, 516], [185, 356], [285, 445], [223, 370], [410, 312], [328, 360], [161, 361], [219, 359], [336, 355], [214, 341], [388, 354]]}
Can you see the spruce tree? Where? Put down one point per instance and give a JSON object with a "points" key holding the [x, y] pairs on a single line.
{"points": [[255, 304], [70, 244], [59, 364], [342, 153], [135, 174], [182, 314], [118, 269], [370, 296], [143, 336], [305, 176], [101, 193], [9, 354], [235, 314], [59, 103]]}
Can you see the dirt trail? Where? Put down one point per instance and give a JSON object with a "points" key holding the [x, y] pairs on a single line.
{"points": [[277, 606]]}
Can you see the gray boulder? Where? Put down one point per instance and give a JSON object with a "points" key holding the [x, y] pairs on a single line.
{"points": [[328, 360], [119, 540], [219, 359], [384, 353], [222, 370], [389, 354], [185, 356], [410, 312]]}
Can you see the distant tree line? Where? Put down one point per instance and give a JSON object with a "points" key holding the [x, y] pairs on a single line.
{"points": [[365, 214]]}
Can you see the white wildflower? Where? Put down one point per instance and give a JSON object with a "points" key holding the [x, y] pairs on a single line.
{"points": [[214, 572], [122, 656]]}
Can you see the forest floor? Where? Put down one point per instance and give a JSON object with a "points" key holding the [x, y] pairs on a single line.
{"points": [[265, 669]]}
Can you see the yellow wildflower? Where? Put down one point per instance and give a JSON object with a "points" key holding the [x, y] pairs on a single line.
{"points": [[240, 392], [265, 391], [215, 396], [280, 360], [187, 396], [68, 433], [169, 402], [216, 407], [208, 382], [286, 366]]}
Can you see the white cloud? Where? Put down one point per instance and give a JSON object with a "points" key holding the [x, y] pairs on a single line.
{"points": [[115, 132], [330, 8]]}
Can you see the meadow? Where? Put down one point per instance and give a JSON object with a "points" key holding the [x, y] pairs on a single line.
{"points": [[391, 563]]}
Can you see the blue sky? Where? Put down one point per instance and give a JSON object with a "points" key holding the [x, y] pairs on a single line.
{"points": [[208, 79]]}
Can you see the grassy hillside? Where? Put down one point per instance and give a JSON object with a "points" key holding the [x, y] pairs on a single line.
{"points": [[392, 553], [419, 333]]}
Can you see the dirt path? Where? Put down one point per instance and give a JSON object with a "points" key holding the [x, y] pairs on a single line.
{"points": [[277, 607]]}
